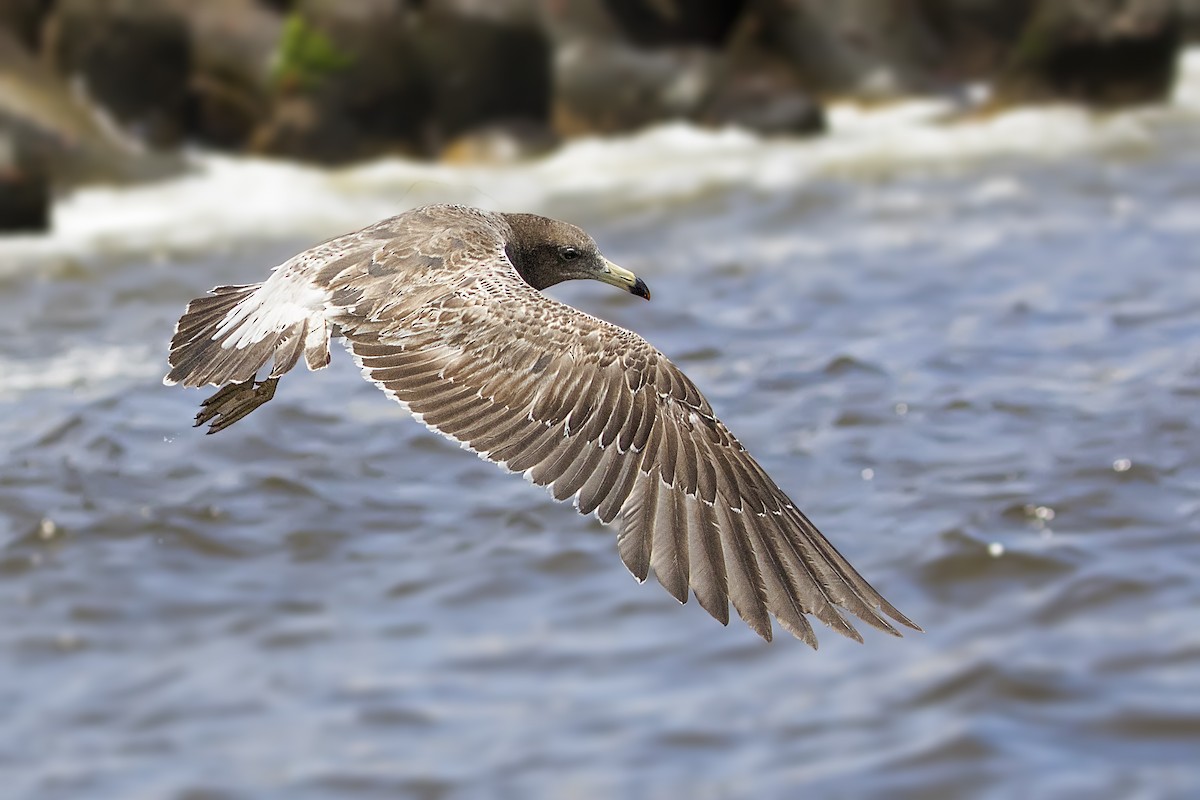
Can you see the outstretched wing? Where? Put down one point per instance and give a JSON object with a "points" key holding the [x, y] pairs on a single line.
{"points": [[596, 414]]}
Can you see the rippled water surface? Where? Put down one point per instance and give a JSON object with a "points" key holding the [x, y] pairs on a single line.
{"points": [[980, 379]]}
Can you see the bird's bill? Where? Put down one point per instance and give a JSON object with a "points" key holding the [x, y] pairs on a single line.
{"points": [[624, 279]]}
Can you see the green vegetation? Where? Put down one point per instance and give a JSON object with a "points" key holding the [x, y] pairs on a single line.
{"points": [[306, 56]]}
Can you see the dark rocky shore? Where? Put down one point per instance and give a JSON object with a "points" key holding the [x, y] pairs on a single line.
{"points": [[108, 90]]}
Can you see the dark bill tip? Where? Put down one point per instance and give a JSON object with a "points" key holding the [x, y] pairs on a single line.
{"points": [[640, 289]]}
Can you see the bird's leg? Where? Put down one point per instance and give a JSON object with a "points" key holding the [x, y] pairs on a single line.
{"points": [[233, 402]]}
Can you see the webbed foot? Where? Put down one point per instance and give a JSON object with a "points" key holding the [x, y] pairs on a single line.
{"points": [[233, 402]]}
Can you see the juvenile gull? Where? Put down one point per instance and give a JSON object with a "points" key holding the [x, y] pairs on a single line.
{"points": [[441, 309]]}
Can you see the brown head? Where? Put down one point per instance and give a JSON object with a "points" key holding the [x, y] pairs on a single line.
{"points": [[546, 251]]}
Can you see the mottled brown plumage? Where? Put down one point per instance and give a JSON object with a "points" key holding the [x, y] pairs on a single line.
{"points": [[439, 306]]}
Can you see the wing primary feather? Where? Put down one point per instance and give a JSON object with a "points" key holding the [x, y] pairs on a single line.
{"points": [[669, 554], [687, 459], [746, 587], [635, 541], [803, 577], [576, 475], [622, 487], [667, 453], [558, 459], [840, 590], [866, 594], [706, 475], [602, 479], [707, 576], [800, 543], [781, 598], [649, 449]]}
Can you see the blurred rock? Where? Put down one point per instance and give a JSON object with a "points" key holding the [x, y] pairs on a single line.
{"points": [[520, 13], [47, 124], [349, 84], [24, 188], [460, 55], [1189, 13], [651, 61], [172, 69], [604, 87], [342, 80], [658, 23], [233, 44], [23, 19], [974, 36], [607, 88], [385, 77], [50, 140], [1103, 52], [570, 21], [133, 58], [764, 96], [862, 48]]}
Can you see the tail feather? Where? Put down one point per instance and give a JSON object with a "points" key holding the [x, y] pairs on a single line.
{"points": [[230, 334]]}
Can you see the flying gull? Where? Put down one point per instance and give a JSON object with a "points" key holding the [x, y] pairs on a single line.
{"points": [[441, 309]]}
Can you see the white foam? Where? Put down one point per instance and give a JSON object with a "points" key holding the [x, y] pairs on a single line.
{"points": [[79, 369], [231, 199]]}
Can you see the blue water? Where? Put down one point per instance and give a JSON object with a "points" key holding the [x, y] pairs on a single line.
{"points": [[980, 381]]}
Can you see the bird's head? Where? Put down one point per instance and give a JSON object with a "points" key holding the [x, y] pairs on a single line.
{"points": [[546, 251]]}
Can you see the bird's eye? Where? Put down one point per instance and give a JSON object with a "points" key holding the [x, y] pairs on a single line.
{"points": [[569, 253]]}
